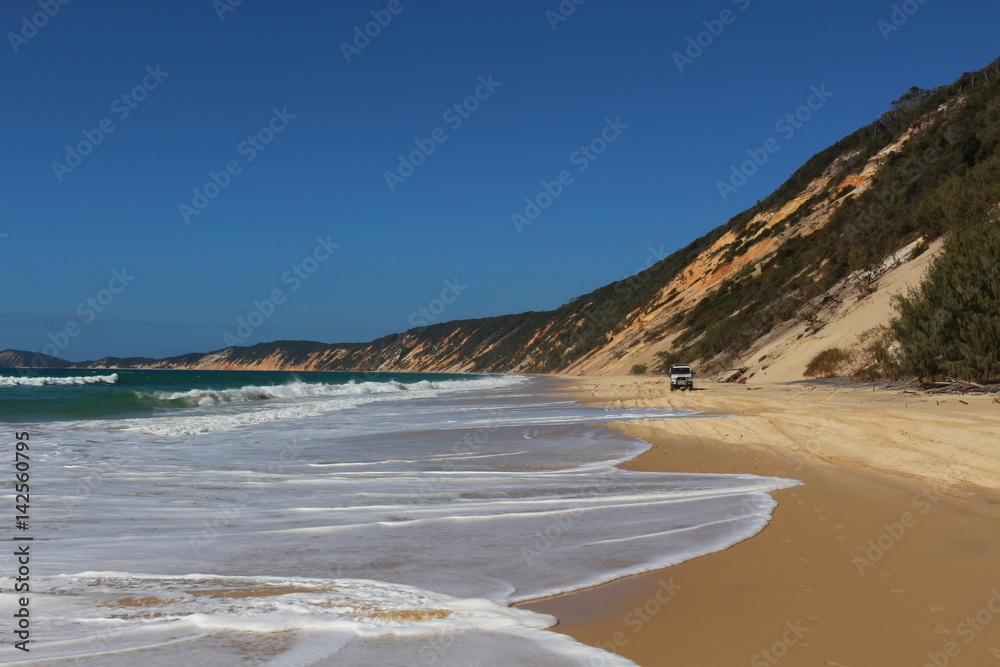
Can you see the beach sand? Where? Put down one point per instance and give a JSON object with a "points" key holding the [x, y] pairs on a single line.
{"points": [[888, 554]]}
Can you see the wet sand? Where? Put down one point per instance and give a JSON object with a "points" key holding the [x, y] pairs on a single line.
{"points": [[887, 555]]}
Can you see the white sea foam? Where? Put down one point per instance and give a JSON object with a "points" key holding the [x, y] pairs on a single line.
{"points": [[26, 381], [180, 425], [397, 530], [111, 618], [292, 390], [294, 400]]}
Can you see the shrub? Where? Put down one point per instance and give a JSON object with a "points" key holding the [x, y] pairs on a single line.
{"points": [[664, 360], [826, 363], [638, 369], [919, 249]]}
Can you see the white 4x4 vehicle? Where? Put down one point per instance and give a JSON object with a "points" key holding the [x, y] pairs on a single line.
{"points": [[681, 377]]}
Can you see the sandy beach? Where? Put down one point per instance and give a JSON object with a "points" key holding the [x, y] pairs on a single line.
{"points": [[888, 554]]}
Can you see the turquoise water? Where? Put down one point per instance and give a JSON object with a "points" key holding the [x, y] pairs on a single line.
{"points": [[52, 395]]}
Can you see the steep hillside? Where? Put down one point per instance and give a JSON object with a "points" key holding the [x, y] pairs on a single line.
{"points": [[790, 278]]}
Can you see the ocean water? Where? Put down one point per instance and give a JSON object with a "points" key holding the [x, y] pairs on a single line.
{"points": [[336, 519]]}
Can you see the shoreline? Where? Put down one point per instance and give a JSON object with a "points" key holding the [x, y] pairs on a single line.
{"points": [[882, 556]]}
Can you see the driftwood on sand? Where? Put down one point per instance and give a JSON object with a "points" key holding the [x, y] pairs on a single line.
{"points": [[960, 387]]}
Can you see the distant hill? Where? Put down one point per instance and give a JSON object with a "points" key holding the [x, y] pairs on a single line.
{"points": [[118, 362], [21, 359], [803, 283]]}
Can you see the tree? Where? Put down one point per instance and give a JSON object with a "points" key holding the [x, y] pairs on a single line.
{"points": [[915, 95], [950, 325], [664, 360]]}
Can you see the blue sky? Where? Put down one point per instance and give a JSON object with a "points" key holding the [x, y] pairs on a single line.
{"points": [[168, 168]]}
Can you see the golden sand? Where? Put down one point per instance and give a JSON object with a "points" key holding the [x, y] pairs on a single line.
{"points": [[889, 554]]}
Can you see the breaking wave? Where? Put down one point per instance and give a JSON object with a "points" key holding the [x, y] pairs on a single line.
{"points": [[15, 381], [298, 390], [294, 400]]}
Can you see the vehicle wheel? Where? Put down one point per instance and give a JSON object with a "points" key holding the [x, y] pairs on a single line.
{"points": [[691, 387], [673, 388]]}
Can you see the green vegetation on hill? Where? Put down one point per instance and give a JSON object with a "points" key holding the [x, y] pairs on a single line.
{"points": [[940, 182], [950, 325]]}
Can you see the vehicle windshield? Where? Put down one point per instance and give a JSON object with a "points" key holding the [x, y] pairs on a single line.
{"points": [[681, 369]]}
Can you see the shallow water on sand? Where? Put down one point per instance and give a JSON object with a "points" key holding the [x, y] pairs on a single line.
{"points": [[357, 522]]}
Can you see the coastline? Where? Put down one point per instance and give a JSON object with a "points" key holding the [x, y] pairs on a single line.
{"points": [[886, 555]]}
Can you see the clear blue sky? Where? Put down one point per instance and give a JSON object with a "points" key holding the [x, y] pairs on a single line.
{"points": [[197, 87]]}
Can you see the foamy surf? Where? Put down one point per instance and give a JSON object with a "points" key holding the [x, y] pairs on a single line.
{"points": [[297, 390], [296, 400], [392, 526], [113, 618], [43, 381]]}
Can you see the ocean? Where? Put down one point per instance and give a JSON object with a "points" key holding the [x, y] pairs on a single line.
{"points": [[287, 518]]}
